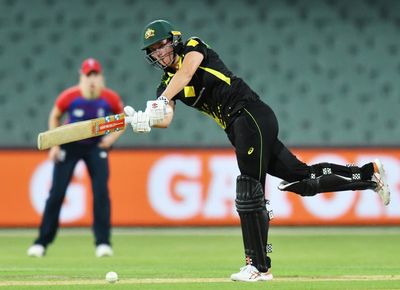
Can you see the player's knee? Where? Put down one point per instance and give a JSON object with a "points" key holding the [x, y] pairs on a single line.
{"points": [[249, 194], [311, 185], [306, 187]]}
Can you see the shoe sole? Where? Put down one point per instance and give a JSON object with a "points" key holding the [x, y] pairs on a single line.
{"points": [[262, 278], [251, 281], [35, 256], [267, 277], [384, 194]]}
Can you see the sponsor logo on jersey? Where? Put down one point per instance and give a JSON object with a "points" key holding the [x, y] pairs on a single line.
{"points": [[78, 113], [101, 112]]}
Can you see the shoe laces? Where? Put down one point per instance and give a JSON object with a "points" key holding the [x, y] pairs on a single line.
{"points": [[253, 271], [246, 268], [378, 181]]}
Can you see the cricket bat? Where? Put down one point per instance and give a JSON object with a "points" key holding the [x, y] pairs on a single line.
{"points": [[80, 130]]}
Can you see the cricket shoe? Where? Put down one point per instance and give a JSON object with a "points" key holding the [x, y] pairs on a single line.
{"points": [[250, 273], [104, 250], [36, 250], [379, 176], [266, 276]]}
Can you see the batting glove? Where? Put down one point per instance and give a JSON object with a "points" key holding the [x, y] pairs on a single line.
{"points": [[164, 99], [139, 120], [157, 111], [129, 113]]}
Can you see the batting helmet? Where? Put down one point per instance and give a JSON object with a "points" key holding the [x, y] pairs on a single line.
{"points": [[158, 30]]}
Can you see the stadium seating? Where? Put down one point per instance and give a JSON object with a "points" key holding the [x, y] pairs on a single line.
{"points": [[330, 69]]}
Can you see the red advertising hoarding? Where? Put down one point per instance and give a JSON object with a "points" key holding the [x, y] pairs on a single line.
{"points": [[189, 187]]}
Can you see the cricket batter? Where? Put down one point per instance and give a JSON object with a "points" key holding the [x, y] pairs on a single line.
{"points": [[194, 74], [89, 99]]}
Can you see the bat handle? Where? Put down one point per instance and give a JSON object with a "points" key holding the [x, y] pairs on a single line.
{"points": [[128, 120]]}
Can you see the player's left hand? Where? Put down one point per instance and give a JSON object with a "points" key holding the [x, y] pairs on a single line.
{"points": [[157, 111]]}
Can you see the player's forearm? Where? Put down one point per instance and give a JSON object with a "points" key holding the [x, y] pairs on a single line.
{"points": [[54, 118], [167, 120], [182, 77], [114, 136]]}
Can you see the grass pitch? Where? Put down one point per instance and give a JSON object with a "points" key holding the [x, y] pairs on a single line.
{"points": [[204, 258]]}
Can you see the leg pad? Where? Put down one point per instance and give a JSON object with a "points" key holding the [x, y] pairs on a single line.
{"points": [[254, 221]]}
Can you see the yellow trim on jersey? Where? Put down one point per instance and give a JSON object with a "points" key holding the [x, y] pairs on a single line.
{"points": [[217, 120], [192, 42], [170, 75], [174, 32], [189, 91], [179, 61], [214, 115], [216, 73]]}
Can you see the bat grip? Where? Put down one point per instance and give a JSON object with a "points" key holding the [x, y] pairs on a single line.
{"points": [[128, 120]]}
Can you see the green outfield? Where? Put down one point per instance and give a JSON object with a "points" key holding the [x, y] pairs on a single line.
{"points": [[204, 258]]}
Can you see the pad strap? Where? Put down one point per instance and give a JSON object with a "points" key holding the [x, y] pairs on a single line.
{"points": [[355, 172], [269, 209]]}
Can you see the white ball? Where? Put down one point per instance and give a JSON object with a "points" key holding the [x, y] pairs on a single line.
{"points": [[112, 277]]}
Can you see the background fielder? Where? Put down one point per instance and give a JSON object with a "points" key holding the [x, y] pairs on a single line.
{"points": [[90, 99]]}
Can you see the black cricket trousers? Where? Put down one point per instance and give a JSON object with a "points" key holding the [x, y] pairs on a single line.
{"points": [[254, 134]]}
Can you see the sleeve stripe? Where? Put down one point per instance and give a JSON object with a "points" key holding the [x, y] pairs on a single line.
{"points": [[218, 74], [192, 42]]}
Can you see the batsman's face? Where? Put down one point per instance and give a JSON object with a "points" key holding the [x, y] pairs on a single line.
{"points": [[162, 52]]}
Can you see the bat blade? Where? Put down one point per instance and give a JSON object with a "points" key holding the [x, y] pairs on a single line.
{"points": [[80, 131]]}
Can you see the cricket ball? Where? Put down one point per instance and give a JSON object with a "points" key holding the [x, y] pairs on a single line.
{"points": [[112, 277]]}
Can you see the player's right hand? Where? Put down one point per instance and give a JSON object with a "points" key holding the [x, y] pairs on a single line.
{"points": [[157, 111]]}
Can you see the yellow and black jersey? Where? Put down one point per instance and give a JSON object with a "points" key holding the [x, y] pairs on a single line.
{"points": [[213, 89]]}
